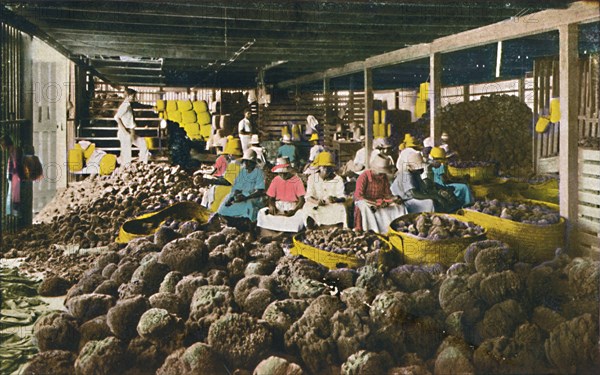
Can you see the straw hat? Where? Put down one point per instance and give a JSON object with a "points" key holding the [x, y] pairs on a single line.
{"points": [[324, 159], [409, 141], [254, 139], [437, 153], [415, 162], [314, 137], [381, 164], [282, 165], [250, 155], [233, 147], [286, 138]]}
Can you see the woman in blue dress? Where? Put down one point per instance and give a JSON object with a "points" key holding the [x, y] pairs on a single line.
{"points": [[440, 177], [247, 193]]}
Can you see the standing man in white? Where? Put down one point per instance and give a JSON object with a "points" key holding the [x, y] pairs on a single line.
{"points": [[126, 133], [245, 130]]}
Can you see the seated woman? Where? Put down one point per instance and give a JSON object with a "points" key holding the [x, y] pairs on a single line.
{"points": [[288, 150], [441, 177], [286, 198], [325, 194], [260, 151], [374, 205], [247, 192], [410, 187], [315, 150], [221, 185]]}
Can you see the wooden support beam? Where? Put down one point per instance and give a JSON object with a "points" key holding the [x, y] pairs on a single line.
{"points": [[567, 159], [536, 23], [466, 93], [368, 114], [435, 96], [522, 89], [350, 68]]}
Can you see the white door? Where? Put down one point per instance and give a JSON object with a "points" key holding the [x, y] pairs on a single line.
{"points": [[46, 97]]}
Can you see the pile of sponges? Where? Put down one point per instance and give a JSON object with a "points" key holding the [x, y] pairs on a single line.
{"points": [[84, 158], [193, 117]]}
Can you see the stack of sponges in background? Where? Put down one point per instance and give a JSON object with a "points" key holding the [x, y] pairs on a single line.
{"points": [[84, 158], [193, 117], [381, 129]]}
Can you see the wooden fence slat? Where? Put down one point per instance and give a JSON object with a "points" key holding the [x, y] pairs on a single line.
{"points": [[589, 183], [588, 225], [589, 211], [590, 198], [588, 168], [589, 240]]}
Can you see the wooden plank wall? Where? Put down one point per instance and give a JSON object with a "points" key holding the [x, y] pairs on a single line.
{"points": [[588, 221], [588, 99]]}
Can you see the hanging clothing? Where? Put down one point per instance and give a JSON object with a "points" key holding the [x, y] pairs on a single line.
{"points": [[461, 191], [320, 189], [286, 194], [402, 186], [370, 186], [246, 183]]}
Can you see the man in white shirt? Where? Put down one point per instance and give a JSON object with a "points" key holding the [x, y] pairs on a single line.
{"points": [[126, 130], [245, 130]]}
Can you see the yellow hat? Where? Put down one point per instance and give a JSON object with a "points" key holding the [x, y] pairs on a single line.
{"points": [[233, 147], [314, 137], [437, 153], [410, 141], [324, 159]]}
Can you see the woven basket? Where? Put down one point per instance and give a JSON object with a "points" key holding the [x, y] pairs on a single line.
{"points": [[533, 243], [417, 250], [477, 174], [329, 259], [149, 223]]}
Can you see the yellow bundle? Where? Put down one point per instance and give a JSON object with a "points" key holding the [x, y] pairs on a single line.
{"points": [[171, 105], [75, 159], [424, 91], [382, 116], [184, 105], [203, 118], [161, 105], [200, 106], [376, 117], [108, 164], [420, 108], [174, 116], [554, 110], [87, 153], [192, 130], [205, 130], [188, 116]]}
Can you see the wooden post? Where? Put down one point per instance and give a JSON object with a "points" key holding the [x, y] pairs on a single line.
{"points": [[435, 95], [368, 114], [567, 160], [466, 93], [522, 89], [327, 109]]}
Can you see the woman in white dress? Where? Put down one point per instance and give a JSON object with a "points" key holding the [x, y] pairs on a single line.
{"points": [[325, 194]]}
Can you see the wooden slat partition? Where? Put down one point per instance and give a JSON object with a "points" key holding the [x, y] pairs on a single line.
{"points": [[588, 221], [588, 98], [546, 87]]}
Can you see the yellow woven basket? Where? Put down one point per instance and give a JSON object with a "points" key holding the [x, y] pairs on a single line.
{"points": [[200, 106], [533, 243], [545, 191], [149, 223], [417, 250], [188, 116], [184, 105], [203, 118], [329, 259], [477, 174]]}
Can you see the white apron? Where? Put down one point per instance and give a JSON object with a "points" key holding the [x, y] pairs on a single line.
{"points": [[281, 223], [380, 220], [330, 214]]}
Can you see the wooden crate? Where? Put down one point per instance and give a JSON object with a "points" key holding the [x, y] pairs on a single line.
{"points": [[588, 218]]}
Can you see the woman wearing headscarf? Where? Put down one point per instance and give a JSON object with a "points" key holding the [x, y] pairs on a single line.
{"points": [[374, 205], [410, 187], [441, 177], [247, 192], [285, 200], [325, 194]]}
